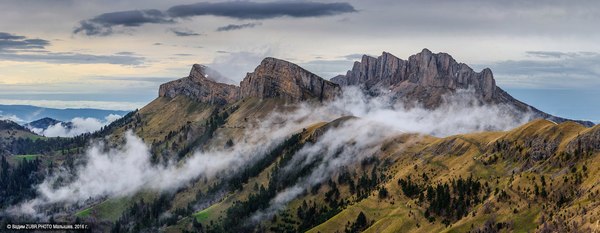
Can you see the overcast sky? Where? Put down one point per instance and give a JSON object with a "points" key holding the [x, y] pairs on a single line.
{"points": [[69, 52]]}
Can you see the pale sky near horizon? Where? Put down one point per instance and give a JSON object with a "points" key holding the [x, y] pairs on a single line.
{"points": [[65, 53]]}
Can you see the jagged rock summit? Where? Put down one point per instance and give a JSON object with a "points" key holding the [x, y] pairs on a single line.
{"points": [[200, 87], [273, 78], [426, 77]]}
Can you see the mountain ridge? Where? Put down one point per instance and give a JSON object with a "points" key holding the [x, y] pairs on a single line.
{"points": [[28, 113], [272, 78], [44, 123], [424, 78], [427, 77]]}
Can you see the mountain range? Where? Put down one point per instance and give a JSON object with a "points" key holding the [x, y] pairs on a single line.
{"points": [[28, 113], [424, 79], [418, 145]]}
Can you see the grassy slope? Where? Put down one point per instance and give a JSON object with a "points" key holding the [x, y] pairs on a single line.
{"points": [[396, 217], [443, 158], [164, 115], [159, 118]]}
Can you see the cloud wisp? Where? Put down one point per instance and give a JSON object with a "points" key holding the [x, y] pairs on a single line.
{"points": [[185, 32], [109, 23], [360, 138], [233, 27]]}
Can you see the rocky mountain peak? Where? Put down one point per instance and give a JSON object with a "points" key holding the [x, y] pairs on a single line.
{"points": [[275, 78], [198, 70], [201, 86], [418, 77], [425, 78]]}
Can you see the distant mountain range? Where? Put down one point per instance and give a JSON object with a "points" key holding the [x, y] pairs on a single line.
{"points": [[46, 122], [28, 113]]}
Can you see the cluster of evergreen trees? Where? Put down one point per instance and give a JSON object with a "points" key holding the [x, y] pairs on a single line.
{"points": [[450, 200], [255, 168], [18, 183], [144, 216], [237, 215], [359, 225]]}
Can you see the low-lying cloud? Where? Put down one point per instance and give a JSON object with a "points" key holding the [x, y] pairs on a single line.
{"points": [[114, 172], [378, 120], [75, 127], [12, 117]]}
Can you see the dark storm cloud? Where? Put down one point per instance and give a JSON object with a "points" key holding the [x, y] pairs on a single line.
{"points": [[261, 10], [103, 24], [232, 27], [184, 32], [19, 48]]}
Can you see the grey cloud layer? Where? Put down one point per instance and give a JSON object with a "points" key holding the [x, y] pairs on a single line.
{"points": [[551, 69], [13, 42], [19, 48], [104, 24], [261, 10]]}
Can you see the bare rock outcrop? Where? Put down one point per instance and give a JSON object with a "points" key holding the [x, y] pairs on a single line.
{"points": [[200, 87], [424, 77], [275, 78]]}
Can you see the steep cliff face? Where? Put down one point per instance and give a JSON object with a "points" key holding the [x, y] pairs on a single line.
{"points": [[275, 78], [425, 78], [199, 86]]}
